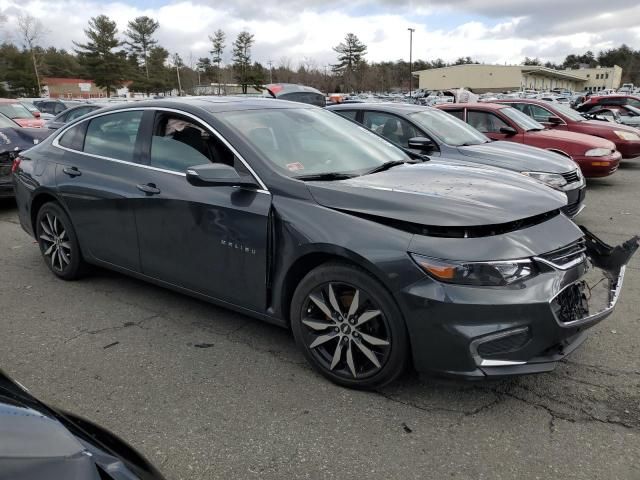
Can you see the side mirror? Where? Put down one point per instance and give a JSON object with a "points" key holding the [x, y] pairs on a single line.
{"points": [[217, 174], [421, 143], [508, 130], [555, 120]]}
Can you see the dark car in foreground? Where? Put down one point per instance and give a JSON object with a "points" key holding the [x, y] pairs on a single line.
{"points": [[452, 139], [563, 118], [14, 139], [595, 156], [304, 219], [39, 442], [73, 113]]}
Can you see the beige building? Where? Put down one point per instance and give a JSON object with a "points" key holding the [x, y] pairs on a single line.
{"points": [[501, 78]]}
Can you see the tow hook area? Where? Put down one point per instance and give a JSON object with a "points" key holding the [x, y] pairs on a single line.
{"points": [[609, 259]]}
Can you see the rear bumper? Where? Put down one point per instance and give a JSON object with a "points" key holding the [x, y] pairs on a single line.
{"points": [[478, 332], [598, 166]]}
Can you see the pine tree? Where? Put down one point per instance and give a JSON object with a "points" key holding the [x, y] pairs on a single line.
{"points": [[218, 44], [141, 41], [105, 66], [351, 53], [242, 58]]}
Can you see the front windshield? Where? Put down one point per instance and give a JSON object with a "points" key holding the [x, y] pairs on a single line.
{"points": [[447, 128], [524, 121], [15, 110], [569, 113], [7, 123], [311, 141]]}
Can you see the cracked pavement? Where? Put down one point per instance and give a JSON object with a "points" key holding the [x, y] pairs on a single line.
{"points": [[206, 393]]}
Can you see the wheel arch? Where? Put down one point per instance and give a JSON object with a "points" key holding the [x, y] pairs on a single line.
{"points": [[309, 260], [38, 200]]}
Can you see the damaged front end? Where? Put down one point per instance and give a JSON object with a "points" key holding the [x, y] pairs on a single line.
{"points": [[594, 296]]}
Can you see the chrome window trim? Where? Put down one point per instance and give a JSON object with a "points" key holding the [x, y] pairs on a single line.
{"points": [[55, 142]]}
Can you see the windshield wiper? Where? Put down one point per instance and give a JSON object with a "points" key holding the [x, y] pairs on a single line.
{"points": [[324, 176], [387, 166]]}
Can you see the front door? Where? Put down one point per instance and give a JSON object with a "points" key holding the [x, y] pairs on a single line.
{"points": [[96, 178], [490, 124], [208, 239]]}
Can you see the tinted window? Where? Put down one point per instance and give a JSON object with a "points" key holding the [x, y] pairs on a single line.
{"points": [[73, 137], [113, 135], [459, 114], [78, 112], [395, 129], [350, 114], [305, 97], [179, 143], [485, 122]]}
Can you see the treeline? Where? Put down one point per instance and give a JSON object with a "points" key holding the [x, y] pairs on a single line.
{"points": [[134, 57]]}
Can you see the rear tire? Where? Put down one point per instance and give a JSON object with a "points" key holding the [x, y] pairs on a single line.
{"points": [[349, 327], [58, 242]]}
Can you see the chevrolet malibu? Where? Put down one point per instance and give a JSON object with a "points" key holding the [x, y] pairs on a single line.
{"points": [[296, 216]]}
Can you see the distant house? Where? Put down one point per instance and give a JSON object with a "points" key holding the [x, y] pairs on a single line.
{"points": [[55, 87]]}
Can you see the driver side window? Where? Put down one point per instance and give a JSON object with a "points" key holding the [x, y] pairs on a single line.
{"points": [[394, 129], [179, 143], [540, 114]]}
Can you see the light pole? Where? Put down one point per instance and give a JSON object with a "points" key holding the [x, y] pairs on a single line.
{"points": [[411, 30], [270, 63]]}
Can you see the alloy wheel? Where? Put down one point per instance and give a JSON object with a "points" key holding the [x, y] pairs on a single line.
{"points": [[346, 331], [55, 242]]}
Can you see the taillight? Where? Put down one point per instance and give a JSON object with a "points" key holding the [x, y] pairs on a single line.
{"points": [[16, 164]]}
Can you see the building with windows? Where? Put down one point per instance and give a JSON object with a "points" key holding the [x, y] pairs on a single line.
{"points": [[54, 87], [482, 78]]}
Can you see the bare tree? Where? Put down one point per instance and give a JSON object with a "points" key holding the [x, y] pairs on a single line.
{"points": [[31, 31]]}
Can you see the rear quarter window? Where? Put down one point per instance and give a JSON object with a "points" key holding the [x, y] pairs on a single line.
{"points": [[113, 135], [74, 137]]}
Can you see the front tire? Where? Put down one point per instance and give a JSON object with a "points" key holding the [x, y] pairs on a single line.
{"points": [[58, 242], [349, 327]]}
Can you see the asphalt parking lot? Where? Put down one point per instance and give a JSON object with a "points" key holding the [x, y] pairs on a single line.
{"points": [[206, 393]]}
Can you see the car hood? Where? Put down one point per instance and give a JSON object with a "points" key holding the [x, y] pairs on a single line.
{"points": [[596, 127], [441, 195], [40, 442], [573, 138], [18, 139], [518, 157]]}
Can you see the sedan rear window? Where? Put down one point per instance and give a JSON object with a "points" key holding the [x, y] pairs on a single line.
{"points": [[113, 135]]}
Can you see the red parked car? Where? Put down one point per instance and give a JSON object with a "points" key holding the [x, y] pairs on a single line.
{"points": [[19, 113], [562, 117], [609, 101], [597, 157]]}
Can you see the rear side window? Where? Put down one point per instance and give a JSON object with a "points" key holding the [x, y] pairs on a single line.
{"points": [[113, 135], [350, 114], [456, 113], [73, 137]]}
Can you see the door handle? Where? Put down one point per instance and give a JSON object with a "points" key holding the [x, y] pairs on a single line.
{"points": [[149, 188], [72, 171]]}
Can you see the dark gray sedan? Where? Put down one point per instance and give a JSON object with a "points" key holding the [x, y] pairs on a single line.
{"points": [[451, 138], [286, 212]]}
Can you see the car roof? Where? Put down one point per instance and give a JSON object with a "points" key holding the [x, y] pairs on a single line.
{"points": [[532, 101], [215, 104], [381, 106], [9, 100], [478, 105]]}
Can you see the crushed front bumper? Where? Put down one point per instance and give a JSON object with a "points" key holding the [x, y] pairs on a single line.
{"points": [[525, 328]]}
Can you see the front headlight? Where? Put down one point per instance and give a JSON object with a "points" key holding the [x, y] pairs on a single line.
{"points": [[495, 274], [597, 152], [626, 135], [554, 180]]}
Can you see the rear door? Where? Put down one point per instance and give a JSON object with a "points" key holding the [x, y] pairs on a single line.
{"points": [[209, 239], [97, 179]]}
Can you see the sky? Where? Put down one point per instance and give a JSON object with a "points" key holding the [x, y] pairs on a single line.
{"points": [[304, 31]]}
